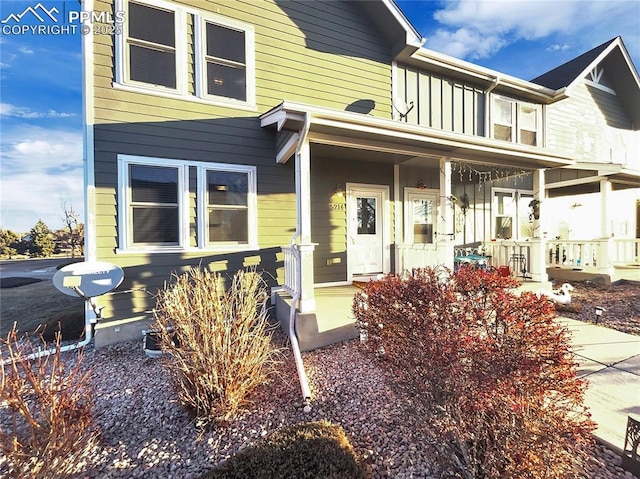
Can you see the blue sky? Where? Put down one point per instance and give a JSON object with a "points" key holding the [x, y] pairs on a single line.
{"points": [[41, 83]]}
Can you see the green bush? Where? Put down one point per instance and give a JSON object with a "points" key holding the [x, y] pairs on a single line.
{"points": [[317, 450], [219, 340], [490, 370]]}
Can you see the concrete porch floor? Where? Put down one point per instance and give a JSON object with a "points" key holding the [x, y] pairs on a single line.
{"points": [[333, 321]]}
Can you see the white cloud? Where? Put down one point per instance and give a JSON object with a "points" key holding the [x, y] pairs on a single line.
{"points": [[23, 112], [479, 28], [557, 47], [465, 43], [41, 169], [25, 50]]}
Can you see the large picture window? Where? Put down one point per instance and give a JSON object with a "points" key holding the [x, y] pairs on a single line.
{"points": [[160, 209]]}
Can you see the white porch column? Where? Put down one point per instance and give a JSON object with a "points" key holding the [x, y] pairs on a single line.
{"points": [[446, 227], [303, 217], [398, 237], [538, 266], [606, 249], [605, 201]]}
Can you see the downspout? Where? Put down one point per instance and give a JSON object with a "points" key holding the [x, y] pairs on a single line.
{"points": [[295, 346], [487, 117]]}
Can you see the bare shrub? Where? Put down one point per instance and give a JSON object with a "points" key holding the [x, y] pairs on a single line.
{"points": [[219, 342], [489, 368], [46, 425]]}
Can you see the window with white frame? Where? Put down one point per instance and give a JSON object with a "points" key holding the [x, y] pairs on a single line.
{"points": [[516, 121], [420, 214], [154, 53], [227, 207], [511, 213], [154, 205], [151, 45], [224, 62]]}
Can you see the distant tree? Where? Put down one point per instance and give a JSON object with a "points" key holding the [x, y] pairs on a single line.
{"points": [[74, 230], [8, 243], [41, 243]]}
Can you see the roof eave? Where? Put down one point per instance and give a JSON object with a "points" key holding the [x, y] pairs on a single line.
{"points": [[485, 75], [291, 116]]}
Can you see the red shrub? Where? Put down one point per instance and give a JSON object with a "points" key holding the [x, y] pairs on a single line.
{"points": [[489, 368]]}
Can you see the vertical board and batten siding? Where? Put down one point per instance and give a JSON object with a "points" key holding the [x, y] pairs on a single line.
{"points": [[325, 55], [441, 103], [591, 125]]}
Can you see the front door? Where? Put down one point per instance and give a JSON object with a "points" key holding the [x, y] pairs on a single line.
{"points": [[366, 229]]}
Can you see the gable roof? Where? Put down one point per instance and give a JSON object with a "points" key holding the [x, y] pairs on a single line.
{"points": [[392, 24], [564, 75], [613, 57]]}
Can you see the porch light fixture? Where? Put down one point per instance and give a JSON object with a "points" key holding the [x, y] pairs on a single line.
{"points": [[339, 191]]}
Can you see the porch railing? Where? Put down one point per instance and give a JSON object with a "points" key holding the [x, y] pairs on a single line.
{"points": [[413, 256], [517, 255], [593, 255], [626, 251], [291, 269]]}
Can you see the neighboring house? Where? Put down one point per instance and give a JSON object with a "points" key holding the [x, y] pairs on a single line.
{"points": [[321, 143]]}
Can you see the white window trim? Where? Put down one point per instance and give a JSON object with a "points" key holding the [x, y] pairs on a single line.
{"points": [[516, 196], [182, 81], [409, 194], [125, 245], [121, 56], [515, 119], [199, 25], [252, 205]]}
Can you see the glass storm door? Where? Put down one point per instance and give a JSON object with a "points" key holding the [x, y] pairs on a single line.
{"points": [[365, 243]]}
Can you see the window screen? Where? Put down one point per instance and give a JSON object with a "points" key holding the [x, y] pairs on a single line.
{"points": [[152, 57], [154, 204], [227, 204], [226, 62]]}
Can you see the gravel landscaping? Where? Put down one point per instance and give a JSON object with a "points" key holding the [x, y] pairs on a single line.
{"points": [[145, 433]]}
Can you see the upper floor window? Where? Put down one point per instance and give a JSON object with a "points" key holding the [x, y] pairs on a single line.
{"points": [[172, 49], [226, 62], [160, 208], [151, 45], [516, 121]]}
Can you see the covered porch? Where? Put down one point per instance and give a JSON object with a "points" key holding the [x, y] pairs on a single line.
{"points": [[375, 196], [594, 211]]}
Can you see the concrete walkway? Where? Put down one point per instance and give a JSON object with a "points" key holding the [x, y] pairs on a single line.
{"points": [[610, 361]]}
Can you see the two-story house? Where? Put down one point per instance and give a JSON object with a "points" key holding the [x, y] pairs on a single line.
{"points": [[320, 142]]}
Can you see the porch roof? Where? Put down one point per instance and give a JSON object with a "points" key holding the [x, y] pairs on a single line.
{"points": [[401, 141], [618, 174]]}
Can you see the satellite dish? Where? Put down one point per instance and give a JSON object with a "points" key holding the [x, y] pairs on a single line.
{"points": [[88, 279], [402, 107]]}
